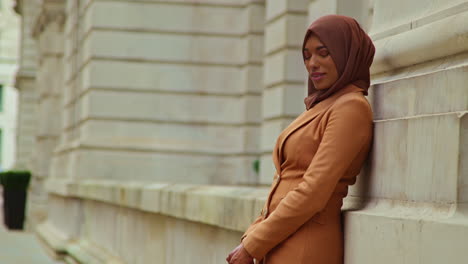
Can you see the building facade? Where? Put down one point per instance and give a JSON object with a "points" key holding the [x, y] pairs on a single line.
{"points": [[9, 39], [153, 115]]}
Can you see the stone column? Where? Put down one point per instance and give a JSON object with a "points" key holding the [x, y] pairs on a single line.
{"points": [[361, 10], [415, 183], [25, 83], [284, 74], [48, 33], [9, 42]]}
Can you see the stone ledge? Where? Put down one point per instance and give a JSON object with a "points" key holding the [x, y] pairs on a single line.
{"points": [[229, 207], [73, 251], [406, 236], [421, 44]]}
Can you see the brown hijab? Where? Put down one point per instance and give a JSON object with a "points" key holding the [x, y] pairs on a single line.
{"points": [[350, 48]]}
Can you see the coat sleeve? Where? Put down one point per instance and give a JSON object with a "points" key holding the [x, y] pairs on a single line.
{"points": [[252, 227], [348, 130]]}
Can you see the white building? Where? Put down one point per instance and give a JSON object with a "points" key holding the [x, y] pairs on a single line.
{"points": [[141, 120], [9, 39]]}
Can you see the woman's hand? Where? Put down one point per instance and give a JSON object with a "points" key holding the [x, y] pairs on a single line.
{"points": [[239, 256]]}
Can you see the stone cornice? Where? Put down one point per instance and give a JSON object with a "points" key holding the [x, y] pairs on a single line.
{"points": [[436, 40], [17, 7], [208, 204], [51, 11]]}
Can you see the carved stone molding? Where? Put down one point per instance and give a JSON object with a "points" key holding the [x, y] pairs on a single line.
{"points": [[51, 12]]}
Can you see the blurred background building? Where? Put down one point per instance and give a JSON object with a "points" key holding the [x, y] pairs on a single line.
{"points": [[9, 40], [143, 123]]}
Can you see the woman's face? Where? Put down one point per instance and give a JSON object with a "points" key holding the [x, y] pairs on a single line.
{"points": [[319, 64]]}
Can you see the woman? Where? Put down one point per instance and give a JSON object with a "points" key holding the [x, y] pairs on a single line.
{"points": [[319, 154]]}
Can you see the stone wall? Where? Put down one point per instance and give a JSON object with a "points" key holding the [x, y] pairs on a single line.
{"points": [[48, 34], [174, 96], [166, 105], [415, 182]]}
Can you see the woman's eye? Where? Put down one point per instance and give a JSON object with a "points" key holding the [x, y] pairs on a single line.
{"points": [[324, 53]]}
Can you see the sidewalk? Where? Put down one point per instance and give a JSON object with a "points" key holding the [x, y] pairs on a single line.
{"points": [[17, 247]]}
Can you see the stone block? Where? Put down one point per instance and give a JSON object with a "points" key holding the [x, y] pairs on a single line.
{"points": [[399, 233], [169, 137], [49, 76], [51, 40], [150, 194], [65, 214], [278, 7], [251, 79], [43, 152], [416, 159], [255, 17], [147, 16], [270, 132], [284, 66], [227, 207], [167, 77], [62, 164], [420, 45], [120, 164], [252, 109], [160, 107], [438, 92], [287, 31], [49, 125], [283, 100], [165, 47], [384, 12], [267, 169], [255, 49]]}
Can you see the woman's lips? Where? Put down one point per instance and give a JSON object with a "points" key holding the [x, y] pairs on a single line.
{"points": [[317, 76]]}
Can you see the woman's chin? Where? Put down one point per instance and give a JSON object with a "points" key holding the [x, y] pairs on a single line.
{"points": [[321, 87]]}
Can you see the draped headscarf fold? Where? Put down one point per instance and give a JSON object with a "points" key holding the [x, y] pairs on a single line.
{"points": [[351, 49]]}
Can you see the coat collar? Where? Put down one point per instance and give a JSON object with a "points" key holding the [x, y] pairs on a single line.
{"points": [[305, 118]]}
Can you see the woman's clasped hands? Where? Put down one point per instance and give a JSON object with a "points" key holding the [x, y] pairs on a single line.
{"points": [[239, 256]]}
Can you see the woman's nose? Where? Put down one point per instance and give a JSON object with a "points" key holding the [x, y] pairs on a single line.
{"points": [[312, 63]]}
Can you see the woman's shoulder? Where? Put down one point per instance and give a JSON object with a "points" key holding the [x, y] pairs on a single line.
{"points": [[355, 101]]}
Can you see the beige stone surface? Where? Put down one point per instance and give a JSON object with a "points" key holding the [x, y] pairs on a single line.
{"points": [[361, 10], [414, 94], [285, 32], [190, 49], [133, 105], [160, 17], [410, 47], [223, 206], [280, 7], [385, 19], [404, 233], [285, 66], [209, 139], [283, 101], [124, 75], [423, 165], [9, 42]]}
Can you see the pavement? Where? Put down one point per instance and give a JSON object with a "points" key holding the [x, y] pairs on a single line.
{"points": [[18, 247]]}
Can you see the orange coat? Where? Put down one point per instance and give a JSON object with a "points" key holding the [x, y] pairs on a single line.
{"points": [[316, 158]]}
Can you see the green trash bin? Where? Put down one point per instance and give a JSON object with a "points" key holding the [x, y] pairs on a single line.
{"points": [[15, 186]]}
